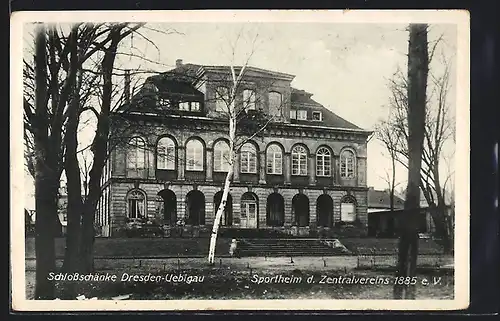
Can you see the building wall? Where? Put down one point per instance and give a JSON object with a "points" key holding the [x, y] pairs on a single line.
{"points": [[120, 189]]}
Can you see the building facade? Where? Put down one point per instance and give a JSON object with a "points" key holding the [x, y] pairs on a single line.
{"points": [[306, 171]]}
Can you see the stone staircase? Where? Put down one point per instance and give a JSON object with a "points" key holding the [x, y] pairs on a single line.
{"points": [[289, 247]]}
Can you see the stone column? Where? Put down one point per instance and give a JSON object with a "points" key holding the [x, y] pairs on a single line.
{"points": [[209, 164], [312, 169], [262, 167], [181, 163], [236, 167], [287, 168]]}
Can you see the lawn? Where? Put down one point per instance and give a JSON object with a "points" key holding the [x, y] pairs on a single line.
{"points": [[142, 247], [198, 247]]}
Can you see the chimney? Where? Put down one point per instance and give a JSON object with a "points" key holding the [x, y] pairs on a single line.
{"points": [[126, 87], [178, 63]]}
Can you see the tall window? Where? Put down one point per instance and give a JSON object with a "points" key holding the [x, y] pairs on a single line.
{"points": [[136, 154], [136, 208], [221, 99], [248, 159], [348, 209], [221, 157], [249, 206], [165, 154], [347, 164], [299, 160], [274, 157], [323, 162], [194, 155], [275, 104], [249, 99]]}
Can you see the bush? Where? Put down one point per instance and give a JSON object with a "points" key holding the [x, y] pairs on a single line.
{"points": [[143, 227]]}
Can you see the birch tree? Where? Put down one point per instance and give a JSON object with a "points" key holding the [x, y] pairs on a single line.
{"points": [[242, 127]]}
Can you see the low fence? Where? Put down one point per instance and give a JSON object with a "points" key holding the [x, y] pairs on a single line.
{"points": [[389, 261]]}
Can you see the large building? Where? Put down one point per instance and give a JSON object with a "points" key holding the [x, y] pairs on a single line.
{"points": [[305, 172]]}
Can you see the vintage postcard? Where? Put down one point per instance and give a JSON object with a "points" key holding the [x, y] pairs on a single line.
{"points": [[240, 160]]}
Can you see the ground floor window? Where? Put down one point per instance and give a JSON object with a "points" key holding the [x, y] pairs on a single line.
{"points": [[348, 209], [227, 217], [300, 207], [275, 210], [195, 208], [249, 210], [136, 204]]}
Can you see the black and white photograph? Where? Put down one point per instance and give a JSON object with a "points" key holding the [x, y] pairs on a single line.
{"points": [[240, 160]]}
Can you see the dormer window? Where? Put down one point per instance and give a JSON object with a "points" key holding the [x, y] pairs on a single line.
{"points": [[195, 106], [163, 101], [302, 114], [317, 116], [189, 106]]}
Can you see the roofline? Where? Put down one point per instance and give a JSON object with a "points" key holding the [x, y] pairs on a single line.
{"points": [[213, 119], [369, 132], [281, 75]]}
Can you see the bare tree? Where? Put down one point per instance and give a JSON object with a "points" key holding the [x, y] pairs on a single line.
{"points": [[418, 66], [388, 135], [439, 130], [244, 124], [49, 106]]}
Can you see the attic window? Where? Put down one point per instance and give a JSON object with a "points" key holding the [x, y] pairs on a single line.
{"points": [[163, 102], [317, 116], [189, 106], [302, 114]]}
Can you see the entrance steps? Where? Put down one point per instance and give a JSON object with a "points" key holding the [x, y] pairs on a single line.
{"points": [[290, 247]]}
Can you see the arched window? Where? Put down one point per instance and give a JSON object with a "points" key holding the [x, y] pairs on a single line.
{"points": [[165, 154], [221, 156], [275, 104], [274, 157], [194, 155], [248, 159], [221, 99], [136, 154], [323, 162], [348, 209], [299, 160], [249, 99], [136, 204], [347, 164]]}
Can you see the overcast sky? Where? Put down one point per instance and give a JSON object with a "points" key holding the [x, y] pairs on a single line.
{"points": [[345, 66]]}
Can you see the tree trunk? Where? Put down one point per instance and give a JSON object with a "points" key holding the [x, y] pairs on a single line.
{"points": [[393, 182], [74, 208], [45, 184], [417, 84], [227, 184], [100, 151], [45, 228]]}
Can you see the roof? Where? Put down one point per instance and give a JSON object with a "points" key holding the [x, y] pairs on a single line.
{"points": [[302, 98], [381, 199], [181, 81], [194, 71]]}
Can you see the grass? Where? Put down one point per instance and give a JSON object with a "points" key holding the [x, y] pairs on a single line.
{"points": [[142, 247], [196, 247]]}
